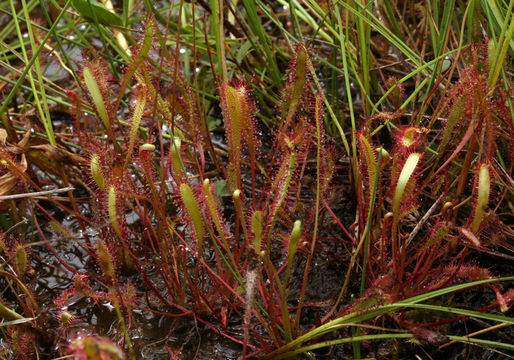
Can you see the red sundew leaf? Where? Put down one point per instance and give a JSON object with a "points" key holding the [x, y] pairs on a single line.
{"points": [[461, 145], [428, 336]]}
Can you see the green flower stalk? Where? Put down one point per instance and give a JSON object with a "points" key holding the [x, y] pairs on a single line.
{"points": [[21, 259], [294, 239], [136, 120], [484, 186], [96, 173], [257, 231], [398, 250], [193, 209], [105, 260], [403, 179], [96, 94], [111, 208], [176, 161]]}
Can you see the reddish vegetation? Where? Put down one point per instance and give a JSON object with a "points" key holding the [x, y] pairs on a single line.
{"points": [[196, 252]]}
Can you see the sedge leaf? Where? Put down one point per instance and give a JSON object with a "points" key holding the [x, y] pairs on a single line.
{"points": [[91, 8]]}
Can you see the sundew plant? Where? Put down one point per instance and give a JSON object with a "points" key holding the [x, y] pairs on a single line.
{"points": [[240, 179]]}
